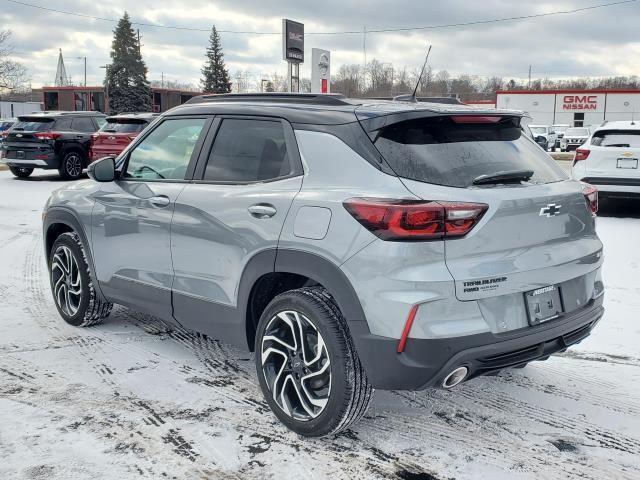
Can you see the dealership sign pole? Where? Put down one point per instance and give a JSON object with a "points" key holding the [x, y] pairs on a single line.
{"points": [[320, 71], [293, 51]]}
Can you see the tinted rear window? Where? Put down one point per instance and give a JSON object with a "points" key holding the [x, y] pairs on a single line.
{"points": [[616, 138], [124, 126], [440, 151], [33, 124]]}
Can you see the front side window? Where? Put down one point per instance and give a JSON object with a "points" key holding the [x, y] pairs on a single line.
{"points": [[248, 151], [165, 153]]}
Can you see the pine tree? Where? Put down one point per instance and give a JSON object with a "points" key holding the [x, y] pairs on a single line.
{"points": [[126, 78], [215, 76]]}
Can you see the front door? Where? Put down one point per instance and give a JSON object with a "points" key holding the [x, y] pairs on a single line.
{"points": [[131, 220], [235, 209]]}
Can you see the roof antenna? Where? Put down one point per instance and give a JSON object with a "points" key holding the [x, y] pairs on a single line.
{"points": [[412, 98]]}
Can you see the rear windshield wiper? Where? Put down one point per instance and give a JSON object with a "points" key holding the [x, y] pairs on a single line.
{"points": [[508, 176]]}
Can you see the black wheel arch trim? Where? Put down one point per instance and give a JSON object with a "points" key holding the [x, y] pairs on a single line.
{"points": [[65, 216], [326, 273], [310, 265]]}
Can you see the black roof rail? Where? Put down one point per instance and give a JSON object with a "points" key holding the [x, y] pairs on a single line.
{"points": [[309, 98]]}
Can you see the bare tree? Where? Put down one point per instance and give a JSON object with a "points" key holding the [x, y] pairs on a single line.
{"points": [[12, 73], [348, 81]]}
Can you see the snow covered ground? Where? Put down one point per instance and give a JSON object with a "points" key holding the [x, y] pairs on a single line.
{"points": [[134, 399]]}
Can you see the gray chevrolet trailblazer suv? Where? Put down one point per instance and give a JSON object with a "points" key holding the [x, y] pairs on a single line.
{"points": [[351, 244]]}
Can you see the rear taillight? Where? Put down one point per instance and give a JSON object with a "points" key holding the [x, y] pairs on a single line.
{"points": [[415, 220], [47, 135], [581, 154], [591, 196]]}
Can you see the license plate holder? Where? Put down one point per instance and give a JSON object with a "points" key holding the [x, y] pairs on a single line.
{"points": [[627, 163], [543, 304]]}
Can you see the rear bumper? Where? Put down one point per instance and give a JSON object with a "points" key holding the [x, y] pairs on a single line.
{"points": [[426, 362], [50, 162], [616, 187]]}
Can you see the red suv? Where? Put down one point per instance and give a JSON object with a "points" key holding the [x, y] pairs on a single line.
{"points": [[117, 133]]}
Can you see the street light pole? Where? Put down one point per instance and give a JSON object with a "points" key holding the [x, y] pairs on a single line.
{"points": [[107, 109], [85, 69]]}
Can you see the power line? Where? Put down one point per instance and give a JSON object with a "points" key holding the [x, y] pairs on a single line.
{"points": [[346, 32]]}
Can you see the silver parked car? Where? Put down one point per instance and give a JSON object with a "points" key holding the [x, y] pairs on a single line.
{"points": [[350, 244]]}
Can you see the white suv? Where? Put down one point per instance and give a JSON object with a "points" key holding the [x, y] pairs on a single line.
{"points": [[547, 132], [609, 160]]}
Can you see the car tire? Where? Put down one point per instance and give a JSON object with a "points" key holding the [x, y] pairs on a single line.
{"points": [[21, 172], [73, 291], [72, 165], [316, 396]]}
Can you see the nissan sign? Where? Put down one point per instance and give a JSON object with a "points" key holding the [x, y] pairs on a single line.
{"points": [[580, 102], [292, 41]]}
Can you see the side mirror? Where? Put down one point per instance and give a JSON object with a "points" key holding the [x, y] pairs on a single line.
{"points": [[104, 170], [552, 132], [540, 140]]}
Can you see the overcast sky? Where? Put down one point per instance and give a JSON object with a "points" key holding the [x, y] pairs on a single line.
{"points": [[598, 42]]}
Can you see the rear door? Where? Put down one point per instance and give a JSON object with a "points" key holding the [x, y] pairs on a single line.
{"points": [[244, 185], [131, 220], [614, 154], [535, 233]]}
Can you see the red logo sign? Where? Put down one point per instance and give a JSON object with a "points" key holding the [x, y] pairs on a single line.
{"points": [[580, 102]]}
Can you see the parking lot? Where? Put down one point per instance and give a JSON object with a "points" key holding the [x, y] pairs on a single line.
{"points": [[133, 398]]}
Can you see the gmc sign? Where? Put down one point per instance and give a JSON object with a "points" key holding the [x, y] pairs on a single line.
{"points": [[580, 102]]}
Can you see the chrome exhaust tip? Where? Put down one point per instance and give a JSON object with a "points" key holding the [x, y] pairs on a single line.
{"points": [[455, 377]]}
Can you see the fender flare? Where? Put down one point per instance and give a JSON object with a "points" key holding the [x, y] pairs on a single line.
{"points": [[312, 266], [61, 215], [326, 273]]}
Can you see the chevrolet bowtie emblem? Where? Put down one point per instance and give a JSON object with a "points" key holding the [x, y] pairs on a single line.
{"points": [[550, 210]]}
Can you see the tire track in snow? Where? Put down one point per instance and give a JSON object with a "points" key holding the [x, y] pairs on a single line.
{"points": [[90, 348]]}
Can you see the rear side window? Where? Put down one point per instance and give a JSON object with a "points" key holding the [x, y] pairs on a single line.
{"points": [[33, 124], [616, 138], [124, 126], [63, 124], [248, 151], [442, 151], [83, 124]]}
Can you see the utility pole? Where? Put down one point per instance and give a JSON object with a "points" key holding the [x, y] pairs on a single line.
{"points": [[364, 53], [162, 81], [529, 84]]}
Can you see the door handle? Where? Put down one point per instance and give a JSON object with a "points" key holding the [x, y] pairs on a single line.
{"points": [[160, 201], [262, 210]]}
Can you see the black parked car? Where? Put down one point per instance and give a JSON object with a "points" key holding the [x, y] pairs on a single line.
{"points": [[51, 140]]}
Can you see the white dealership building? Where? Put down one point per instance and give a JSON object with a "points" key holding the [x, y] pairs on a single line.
{"points": [[573, 107]]}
